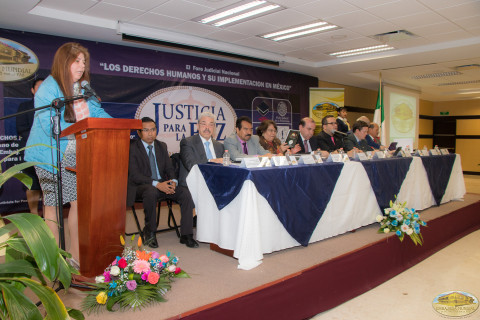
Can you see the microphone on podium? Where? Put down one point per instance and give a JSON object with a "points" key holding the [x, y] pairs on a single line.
{"points": [[89, 91]]}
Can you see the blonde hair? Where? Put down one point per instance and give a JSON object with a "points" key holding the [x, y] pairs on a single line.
{"points": [[62, 61]]}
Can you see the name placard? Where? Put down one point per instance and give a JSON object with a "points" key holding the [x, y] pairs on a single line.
{"points": [[265, 162], [292, 160], [279, 161], [379, 155], [306, 159], [335, 157], [422, 153], [318, 158], [253, 162], [444, 151], [361, 156], [434, 152]]}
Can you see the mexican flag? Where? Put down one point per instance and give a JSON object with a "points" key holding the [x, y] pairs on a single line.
{"points": [[379, 115]]}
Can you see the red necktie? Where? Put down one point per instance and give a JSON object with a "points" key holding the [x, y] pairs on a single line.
{"points": [[333, 140]]}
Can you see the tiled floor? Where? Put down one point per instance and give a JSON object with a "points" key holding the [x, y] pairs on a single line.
{"points": [[410, 294]]}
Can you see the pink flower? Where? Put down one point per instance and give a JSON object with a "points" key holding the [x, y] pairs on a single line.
{"points": [[155, 255], [153, 277], [177, 271], [172, 268], [106, 274], [164, 258], [145, 276], [122, 263], [114, 263], [141, 266], [131, 285]]}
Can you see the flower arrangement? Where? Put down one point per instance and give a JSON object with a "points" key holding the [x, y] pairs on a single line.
{"points": [[134, 280], [401, 220]]}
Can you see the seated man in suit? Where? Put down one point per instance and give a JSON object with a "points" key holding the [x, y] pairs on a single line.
{"points": [[342, 122], [356, 139], [201, 147], [151, 177], [329, 140], [242, 143], [372, 137], [307, 141]]}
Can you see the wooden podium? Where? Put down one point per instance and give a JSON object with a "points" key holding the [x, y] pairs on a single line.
{"points": [[102, 172]]}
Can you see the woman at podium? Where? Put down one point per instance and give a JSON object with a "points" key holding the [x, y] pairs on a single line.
{"points": [[70, 68]]}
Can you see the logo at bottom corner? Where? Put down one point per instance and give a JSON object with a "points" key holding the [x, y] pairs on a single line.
{"points": [[455, 304]]}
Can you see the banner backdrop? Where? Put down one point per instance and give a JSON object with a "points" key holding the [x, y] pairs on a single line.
{"points": [[324, 102], [133, 82]]}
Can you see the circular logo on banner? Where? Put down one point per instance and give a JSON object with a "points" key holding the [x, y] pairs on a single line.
{"points": [[455, 304], [176, 111], [17, 62]]}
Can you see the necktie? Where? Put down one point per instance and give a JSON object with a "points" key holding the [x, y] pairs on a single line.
{"points": [[333, 140], [306, 145], [153, 166], [245, 150], [207, 150]]}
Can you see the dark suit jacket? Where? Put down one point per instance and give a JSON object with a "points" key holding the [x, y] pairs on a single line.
{"points": [[326, 144], [313, 144], [372, 143], [342, 127], [192, 152], [24, 122], [351, 142], [139, 172]]}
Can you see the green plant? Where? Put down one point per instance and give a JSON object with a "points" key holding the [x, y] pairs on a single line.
{"points": [[31, 260]]}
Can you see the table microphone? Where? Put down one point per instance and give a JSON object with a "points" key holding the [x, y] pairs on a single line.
{"points": [[339, 132], [85, 85]]}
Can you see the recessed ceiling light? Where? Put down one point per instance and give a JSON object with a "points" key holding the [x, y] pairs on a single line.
{"points": [[238, 12], [299, 31], [359, 51]]}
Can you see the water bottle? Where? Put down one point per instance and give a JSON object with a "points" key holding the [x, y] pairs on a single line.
{"points": [[226, 158], [437, 149]]}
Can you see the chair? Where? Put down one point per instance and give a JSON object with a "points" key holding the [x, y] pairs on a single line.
{"points": [[175, 158]]}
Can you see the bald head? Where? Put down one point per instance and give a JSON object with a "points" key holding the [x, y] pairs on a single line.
{"points": [[364, 119]]}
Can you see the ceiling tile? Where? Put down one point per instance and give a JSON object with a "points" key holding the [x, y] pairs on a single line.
{"points": [[212, 4], [68, 5], [326, 8], [113, 12], [252, 27], [338, 35], [376, 28], [468, 23], [194, 28], [417, 20], [437, 28], [396, 9], [450, 36], [157, 20], [353, 19], [439, 4], [304, 42], [368, 3], [291, 3], [181, 9], [461, 11], [254, 42], [144, 5], [285, 18]]}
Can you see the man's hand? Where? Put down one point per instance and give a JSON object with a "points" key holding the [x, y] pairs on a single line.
{"points": [[295, 149], [216, 160], [167, 187]]}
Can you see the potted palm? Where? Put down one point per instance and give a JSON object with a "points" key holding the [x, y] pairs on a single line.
{"points": [[31, 261]]}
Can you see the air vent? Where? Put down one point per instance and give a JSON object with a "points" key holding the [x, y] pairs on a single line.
{"points": [[458, 83], [394, 36], [437, 75]]}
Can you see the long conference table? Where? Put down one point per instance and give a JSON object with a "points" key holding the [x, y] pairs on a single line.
{"points": [[262, 210]]}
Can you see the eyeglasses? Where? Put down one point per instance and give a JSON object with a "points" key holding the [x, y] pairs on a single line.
{"points": [[210, 124], [331, 123], [272, 130], [149, 130]]}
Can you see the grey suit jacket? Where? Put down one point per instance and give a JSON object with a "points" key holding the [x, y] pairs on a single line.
{"points": [[235, 148], [192, 152], [351, 142]]}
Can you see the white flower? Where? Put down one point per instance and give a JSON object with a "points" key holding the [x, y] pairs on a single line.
{"points": [[399, 217], [386, 230], [404, 228], [99, 279], [379, 218], [115, 271], [409, 231], [172, 268]]}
